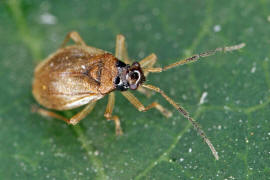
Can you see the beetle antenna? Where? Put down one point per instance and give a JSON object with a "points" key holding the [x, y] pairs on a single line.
{"points": [[196, 57], [186, 115]]}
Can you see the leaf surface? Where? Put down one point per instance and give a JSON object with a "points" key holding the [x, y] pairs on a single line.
{"points": [[234, 112]]}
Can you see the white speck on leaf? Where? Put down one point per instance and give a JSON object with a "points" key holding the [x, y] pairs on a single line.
{"points": [[202, 99], [59, 154], [189, 150], [146, 126], [48, 18], [253, 69], [184, 96], [96, 153], [217, 28]]}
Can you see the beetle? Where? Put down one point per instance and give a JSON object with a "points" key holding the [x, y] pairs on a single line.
{"points": [[79, 74]]}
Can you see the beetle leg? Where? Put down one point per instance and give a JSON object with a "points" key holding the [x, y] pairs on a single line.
{"points": [[121, 50], [135, 102], [75, 37], [108, 114], [73, 120], [148, 62]]}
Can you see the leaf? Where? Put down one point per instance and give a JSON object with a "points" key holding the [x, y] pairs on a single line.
{"points": [[235, 113]]}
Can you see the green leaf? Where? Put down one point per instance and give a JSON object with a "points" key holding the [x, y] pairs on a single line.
{"points": [[235, 113]]}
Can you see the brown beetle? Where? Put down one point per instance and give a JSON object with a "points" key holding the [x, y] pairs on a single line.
{"points": [[80, 75]]}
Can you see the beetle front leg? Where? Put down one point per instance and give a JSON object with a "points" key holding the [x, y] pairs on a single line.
{"points": [[147, 62], [121, 50], [108, 114], [75, 37], [73, 120], [135, 102]]}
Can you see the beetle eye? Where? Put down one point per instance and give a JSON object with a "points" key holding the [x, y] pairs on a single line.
{"points": [[135, 75], [117, 80]]}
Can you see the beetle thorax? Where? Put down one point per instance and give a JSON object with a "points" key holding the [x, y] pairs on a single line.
{"points": [[129, 76]]}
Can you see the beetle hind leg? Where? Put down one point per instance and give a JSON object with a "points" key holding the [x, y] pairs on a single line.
{"points": [[47, 113], [108, 114], [73, 120]]}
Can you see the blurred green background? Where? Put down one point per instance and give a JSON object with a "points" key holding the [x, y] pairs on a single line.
{"points": [[235, 114]]}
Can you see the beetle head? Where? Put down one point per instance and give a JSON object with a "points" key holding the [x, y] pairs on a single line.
{"points": [[129, 76], [135, 76]]}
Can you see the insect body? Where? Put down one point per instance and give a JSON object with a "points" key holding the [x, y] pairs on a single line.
{"points": [[73, 77], [80, 75]]}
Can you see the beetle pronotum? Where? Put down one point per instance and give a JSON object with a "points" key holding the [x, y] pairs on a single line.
{"points": [[80, 75]]}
